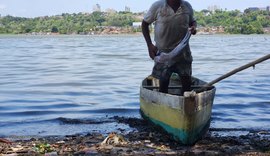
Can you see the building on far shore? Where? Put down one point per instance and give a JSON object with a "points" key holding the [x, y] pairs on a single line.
{"points": [[267, 8], [97, 8], [136, 24], [213, 8], [127, 9]]}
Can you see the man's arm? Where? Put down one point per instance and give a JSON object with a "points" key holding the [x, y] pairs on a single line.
{"points": [[152, 49]]}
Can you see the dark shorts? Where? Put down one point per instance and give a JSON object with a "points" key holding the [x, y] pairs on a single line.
{"points": [[164, 71]]}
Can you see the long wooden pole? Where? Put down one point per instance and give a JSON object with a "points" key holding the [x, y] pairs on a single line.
{"points": [[253, 63]]}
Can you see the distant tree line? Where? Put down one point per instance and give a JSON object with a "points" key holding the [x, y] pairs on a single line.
{"points": [[66, 23], [233, 22]]}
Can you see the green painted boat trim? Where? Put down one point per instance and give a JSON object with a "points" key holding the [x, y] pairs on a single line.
{"points": [[180, 135]]}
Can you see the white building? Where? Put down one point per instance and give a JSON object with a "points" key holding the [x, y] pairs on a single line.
{"points": [[127, 9], [136, 24], [213, 8], [97, 8]]}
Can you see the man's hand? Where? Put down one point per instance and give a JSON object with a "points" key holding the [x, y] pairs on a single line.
{"points": [[193, 30], [152, 51]]}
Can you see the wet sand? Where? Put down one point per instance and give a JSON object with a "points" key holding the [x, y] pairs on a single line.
{"points": [[146, 139]]}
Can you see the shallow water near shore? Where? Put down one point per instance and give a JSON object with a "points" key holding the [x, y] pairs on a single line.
{"points": [[63, 85]]}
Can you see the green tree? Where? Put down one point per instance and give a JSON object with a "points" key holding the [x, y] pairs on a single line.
{"points": [[54, 29]]}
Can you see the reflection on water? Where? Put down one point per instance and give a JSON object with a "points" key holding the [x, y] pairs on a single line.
{"points": [[48, 83]]}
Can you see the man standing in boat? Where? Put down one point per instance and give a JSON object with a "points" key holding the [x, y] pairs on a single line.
{"points": [[172, 19]]}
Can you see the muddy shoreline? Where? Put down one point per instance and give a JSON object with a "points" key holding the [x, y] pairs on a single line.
{"points": [[145, 139]]}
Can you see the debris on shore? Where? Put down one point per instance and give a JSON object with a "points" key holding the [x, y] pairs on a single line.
{"points": [[145, 140]]}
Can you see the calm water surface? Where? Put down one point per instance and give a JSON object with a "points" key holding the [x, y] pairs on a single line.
{"points": [[58, 85]]}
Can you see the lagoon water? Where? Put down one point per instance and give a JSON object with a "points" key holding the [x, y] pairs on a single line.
{"points": [[61, 85]]}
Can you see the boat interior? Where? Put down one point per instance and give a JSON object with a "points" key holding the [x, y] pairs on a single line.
{"points": [[175, 86]]}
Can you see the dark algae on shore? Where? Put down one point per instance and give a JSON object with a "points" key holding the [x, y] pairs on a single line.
{"points": [[145, 139]]}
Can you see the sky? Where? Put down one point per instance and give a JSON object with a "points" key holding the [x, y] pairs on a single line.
{"points": [[35, 8]]}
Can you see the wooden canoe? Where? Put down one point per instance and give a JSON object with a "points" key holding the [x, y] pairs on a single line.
{"points": [[186, 118]]}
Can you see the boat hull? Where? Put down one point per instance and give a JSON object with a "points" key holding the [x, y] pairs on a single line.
{"points": [[186, 118]]}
